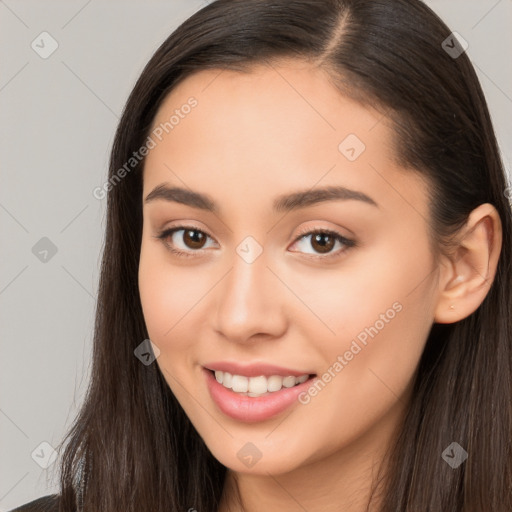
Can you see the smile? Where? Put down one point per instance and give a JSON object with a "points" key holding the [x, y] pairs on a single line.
{"points": [[251, 404], [257, 386]]}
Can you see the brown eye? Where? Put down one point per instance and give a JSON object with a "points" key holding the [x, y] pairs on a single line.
{"points": [[322, 242], [193, 238], [186, 243]]}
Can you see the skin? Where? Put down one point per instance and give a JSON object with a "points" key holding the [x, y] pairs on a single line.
{"points": [[251, 138]]}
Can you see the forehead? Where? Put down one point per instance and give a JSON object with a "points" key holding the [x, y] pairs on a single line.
{"points": [[294, 96], [278, 125]]}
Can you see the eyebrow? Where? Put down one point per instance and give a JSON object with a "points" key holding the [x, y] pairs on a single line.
{"points": [[283, 203]]}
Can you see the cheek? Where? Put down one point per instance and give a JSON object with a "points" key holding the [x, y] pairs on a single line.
{"points": [[168, 294], [381, 314], [158, 299], [372, 292]]}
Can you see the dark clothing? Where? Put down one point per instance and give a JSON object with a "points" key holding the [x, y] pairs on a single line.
{"points": [[49, 503]]}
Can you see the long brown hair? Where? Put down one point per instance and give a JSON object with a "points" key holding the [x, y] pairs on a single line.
{"points": [[132, 447]]}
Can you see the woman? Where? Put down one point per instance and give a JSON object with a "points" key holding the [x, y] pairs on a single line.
{"points": [[307, 217]]}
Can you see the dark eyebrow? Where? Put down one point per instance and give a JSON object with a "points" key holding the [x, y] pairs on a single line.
{"points": [[303, 198], [183, 196], [283, 203]]}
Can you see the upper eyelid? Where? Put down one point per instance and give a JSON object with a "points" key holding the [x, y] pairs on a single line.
{"points": [[312, 230]]}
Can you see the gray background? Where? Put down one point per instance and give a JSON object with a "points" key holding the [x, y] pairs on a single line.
{"points": [[58, 120]]}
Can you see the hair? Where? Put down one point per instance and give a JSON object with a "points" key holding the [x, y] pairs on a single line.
{"points": [[137, 447]]}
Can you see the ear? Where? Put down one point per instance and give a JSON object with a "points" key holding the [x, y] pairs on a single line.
{"points": [[467, 274]]}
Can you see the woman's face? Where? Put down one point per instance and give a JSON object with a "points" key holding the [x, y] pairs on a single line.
{"points": [[273, 152]]}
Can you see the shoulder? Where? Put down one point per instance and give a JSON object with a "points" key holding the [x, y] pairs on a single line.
{"points": [[49, 503]]}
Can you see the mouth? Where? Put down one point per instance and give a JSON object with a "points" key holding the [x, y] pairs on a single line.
{"points": [[255, 399], [260, 385]]}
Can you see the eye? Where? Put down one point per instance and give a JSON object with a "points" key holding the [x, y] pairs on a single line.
{"points": [[323, 241], [191, 240]]}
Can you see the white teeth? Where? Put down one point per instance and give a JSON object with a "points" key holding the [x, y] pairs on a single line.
{"points": [[240, 384], [289, 382], [226, 379], [257, 386], [274, 383]]}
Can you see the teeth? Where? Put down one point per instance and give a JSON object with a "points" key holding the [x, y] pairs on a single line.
{"points": [[240, 384], [257, 386], [274, 383], [289, 382]]}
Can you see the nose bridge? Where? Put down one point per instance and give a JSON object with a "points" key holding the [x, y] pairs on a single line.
{"points": [[247, 302]]}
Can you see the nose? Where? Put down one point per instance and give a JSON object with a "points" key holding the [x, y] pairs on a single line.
{"points": [[250, 302]]}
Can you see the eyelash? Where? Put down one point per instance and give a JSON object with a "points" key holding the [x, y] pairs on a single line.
{"points": [[348, 243]]}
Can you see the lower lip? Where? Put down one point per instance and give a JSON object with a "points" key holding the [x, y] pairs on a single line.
{"points": [[252, 409]]}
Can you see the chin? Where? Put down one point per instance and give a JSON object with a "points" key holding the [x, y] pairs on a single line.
{"points": [[257, 458]]}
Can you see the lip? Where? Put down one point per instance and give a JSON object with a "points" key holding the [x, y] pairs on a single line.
{"points": [[253, 409], [254, 370]]}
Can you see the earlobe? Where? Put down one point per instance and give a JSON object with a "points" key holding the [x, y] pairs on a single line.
{"points": [[471, 269]]}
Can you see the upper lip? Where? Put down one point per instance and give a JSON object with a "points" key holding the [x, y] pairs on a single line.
{"points": [[254, 369]]}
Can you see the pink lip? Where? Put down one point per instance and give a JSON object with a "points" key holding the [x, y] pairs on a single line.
{"points": [[254, 370], [252, 409]]}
